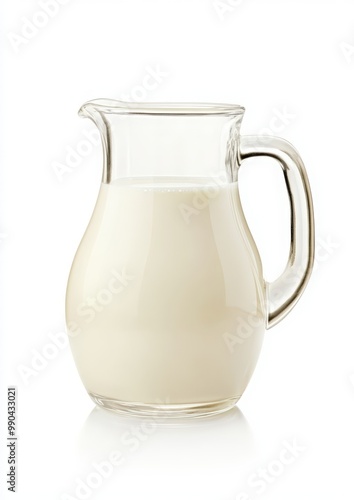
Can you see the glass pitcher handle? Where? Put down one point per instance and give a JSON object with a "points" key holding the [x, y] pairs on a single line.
{"points": [[283, 293]]}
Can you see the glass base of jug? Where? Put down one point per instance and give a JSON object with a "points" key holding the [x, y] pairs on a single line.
{"points": [[164, 410]]}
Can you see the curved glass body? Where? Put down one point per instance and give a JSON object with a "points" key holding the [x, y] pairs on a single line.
{"points": [[166, 302]]}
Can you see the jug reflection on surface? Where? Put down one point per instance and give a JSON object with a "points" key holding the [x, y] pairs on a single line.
{"points": [[178, 442], [166, 303]]}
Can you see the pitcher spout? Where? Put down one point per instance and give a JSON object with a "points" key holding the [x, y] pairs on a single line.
{"points": [[95, 110], [90, 108]]}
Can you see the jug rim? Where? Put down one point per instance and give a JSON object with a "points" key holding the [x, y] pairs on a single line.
{"points": [[162, 108]]}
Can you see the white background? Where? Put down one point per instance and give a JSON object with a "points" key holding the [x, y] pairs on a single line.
{"points": [[272, 57]]}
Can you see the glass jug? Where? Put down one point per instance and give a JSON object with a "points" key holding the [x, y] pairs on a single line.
{"points": [[166, 302]]}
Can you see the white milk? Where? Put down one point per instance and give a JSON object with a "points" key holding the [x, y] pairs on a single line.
{"points": [[165, 300]]}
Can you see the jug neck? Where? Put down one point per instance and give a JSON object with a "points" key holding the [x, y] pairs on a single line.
{"points": [[166, 140]]}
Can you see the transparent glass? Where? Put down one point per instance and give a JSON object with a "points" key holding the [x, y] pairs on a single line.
{"points": [[166, 302]]}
